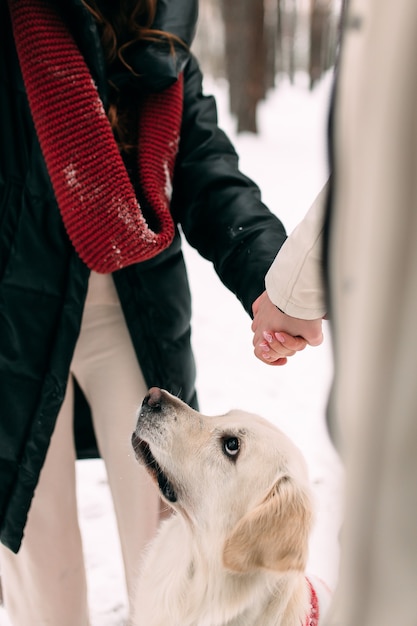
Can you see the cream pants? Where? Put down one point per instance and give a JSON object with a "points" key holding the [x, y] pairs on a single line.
{"points": [[45, 583]]}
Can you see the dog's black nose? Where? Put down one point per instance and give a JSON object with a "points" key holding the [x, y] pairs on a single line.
{"points": [[153, 399]]}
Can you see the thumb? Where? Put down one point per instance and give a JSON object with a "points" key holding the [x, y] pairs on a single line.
{"points": [[316, 340]]}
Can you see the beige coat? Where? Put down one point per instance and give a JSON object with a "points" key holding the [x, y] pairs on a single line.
{"points": [[373, 277], [294, 281]]}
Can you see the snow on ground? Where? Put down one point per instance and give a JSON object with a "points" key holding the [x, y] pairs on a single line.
{"points": [[288, 160]]}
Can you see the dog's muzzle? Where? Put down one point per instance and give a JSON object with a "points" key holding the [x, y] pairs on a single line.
{"points": [[151, 405]]}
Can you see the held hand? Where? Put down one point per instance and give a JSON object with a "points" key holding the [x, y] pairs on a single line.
{"points": [[277, 335]]}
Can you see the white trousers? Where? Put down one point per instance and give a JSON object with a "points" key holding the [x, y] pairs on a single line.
{"points": [[45, 583], [373, 265]]}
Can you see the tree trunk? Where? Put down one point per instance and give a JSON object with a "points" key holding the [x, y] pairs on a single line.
{"points": [[319, 39], [271, 43], [245, 59]]}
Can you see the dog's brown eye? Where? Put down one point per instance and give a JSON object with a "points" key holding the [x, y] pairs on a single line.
{"points": [[231, 446]]}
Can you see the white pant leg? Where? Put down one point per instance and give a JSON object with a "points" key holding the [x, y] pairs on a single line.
{"points": [[45, 583], [108, 372], [373, 272]]}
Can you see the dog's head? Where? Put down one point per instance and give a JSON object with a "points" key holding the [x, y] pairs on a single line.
{"points": [[235, 477]]}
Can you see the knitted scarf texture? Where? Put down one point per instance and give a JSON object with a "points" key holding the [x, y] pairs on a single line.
{"points": [[95, 196]]}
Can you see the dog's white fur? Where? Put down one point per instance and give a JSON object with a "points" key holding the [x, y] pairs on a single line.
{"points": [[235, 551]]}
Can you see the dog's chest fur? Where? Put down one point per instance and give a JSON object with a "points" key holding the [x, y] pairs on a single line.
{"points": [[209, 595]]}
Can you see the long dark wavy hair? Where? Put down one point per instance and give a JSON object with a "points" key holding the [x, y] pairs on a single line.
{"points": [[123, 23]]}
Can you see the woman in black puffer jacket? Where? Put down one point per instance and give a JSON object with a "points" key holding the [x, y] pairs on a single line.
{"points": [[78, 304]]}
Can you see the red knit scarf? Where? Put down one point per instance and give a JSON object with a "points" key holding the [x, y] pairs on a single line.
{"points": [[94, 193]]}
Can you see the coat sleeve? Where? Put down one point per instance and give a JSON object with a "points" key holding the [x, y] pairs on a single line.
{"points": [[295, 282], [219, 208]]}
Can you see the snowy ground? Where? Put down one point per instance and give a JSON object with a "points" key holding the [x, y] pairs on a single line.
{"points": [[288, 161]]}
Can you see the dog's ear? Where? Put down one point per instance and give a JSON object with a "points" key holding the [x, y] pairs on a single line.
{"points": [[275, 534]]}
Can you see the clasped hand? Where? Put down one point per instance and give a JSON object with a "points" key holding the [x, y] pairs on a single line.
{"points": [[278, 336]]}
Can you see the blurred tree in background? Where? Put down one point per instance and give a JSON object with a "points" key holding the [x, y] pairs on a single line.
{"points": [[255, 43], [245, 58]]}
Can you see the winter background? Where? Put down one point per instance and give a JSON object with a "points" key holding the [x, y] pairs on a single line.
{"points": [[288, 161]]}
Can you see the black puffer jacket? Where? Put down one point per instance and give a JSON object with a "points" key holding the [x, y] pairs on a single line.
{"points": [[43, 282]]}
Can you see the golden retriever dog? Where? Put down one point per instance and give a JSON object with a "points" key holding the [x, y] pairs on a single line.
{"points": [[234, 552]]}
